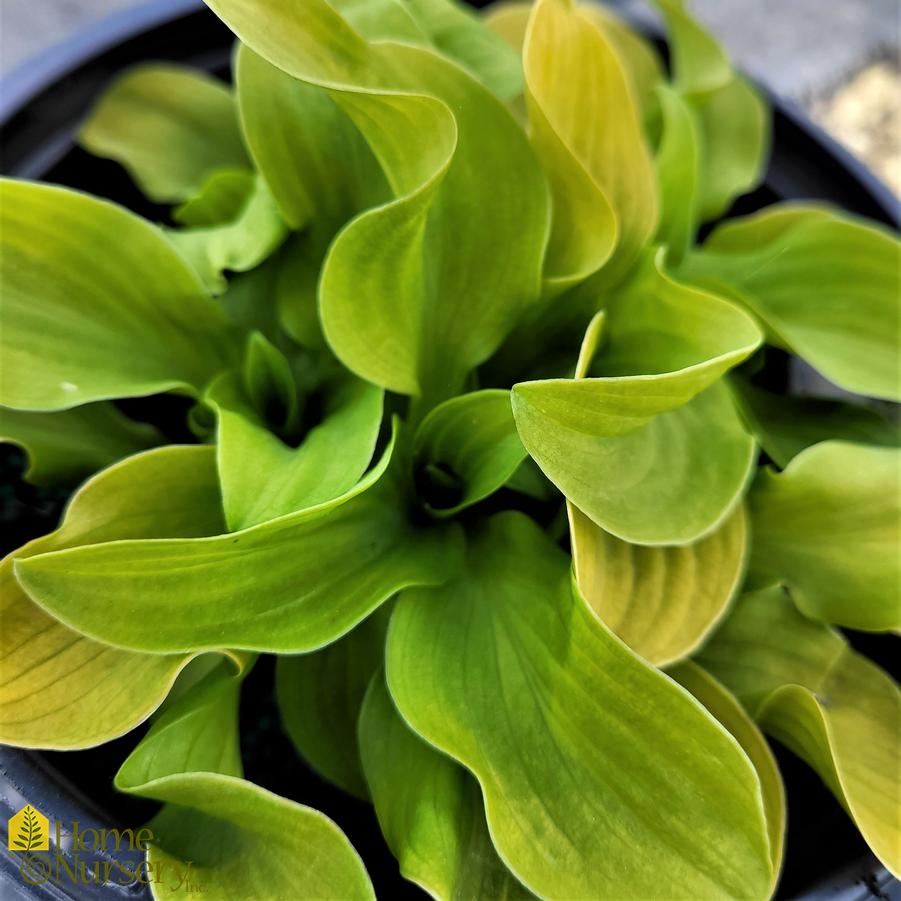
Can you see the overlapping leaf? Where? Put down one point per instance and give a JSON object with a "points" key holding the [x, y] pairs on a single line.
{"points": [[264, 478], [627, 782], [604, 198], [247, 229], [288, 585], [784, 425], [437, 288], [806, 687], [65, 446], [457, 31], [825, 286], [829, 527], [726, 708], [90, 692], [652, 450], [469, 446], [169, 126], [700, 65], [732, 119], [430, 809], [318, 166], [236, 835], [661, 601], [678, 166], [97, 305], [320, 696], [735, 127]]}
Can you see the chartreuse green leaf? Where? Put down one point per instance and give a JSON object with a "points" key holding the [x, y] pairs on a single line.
{"points": [[236, 835], [250, 300], [627, 783], [678, 167], [240, 241], [456, 31], [787, 424], [288, 585], [652, 450], [726, 708], [97, 304], [219, 199], [509, 20], [430, 809], [420, 271], [700, 65], [471, 443], [807, 688], [264, 478], [732, 119], [65, 446], [661, 601], [825, 286], [642, 62], [829, 527], [90, 692], [320, 696], [269, 383], [318, 166], [604, 201], [169, 126], [735, 128]]}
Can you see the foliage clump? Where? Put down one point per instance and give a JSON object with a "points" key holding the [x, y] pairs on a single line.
{"points": [[488, 450]]}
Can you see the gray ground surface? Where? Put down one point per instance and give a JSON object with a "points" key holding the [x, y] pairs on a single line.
{"points": [[839, 58]]}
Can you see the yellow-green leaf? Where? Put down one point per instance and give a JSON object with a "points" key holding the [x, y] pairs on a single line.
{"points": [[829, 527], [169, 126], [826, 286], [601, 776], [430, 809], [661, 601], [97, 305], [807, 688], [65, 446], [726, 708], [90, 692], [604, 196]]}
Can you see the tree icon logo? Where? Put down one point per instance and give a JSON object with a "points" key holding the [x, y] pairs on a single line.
{"points": [[29, 830]]}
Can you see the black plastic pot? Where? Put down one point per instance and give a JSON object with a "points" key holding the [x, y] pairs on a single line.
{"points": [[40, 108]]}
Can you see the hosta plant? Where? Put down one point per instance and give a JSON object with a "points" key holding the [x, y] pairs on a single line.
{"points": [[488, 449]]}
